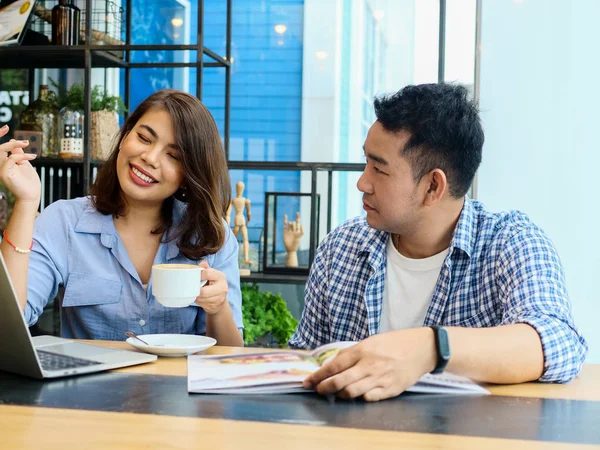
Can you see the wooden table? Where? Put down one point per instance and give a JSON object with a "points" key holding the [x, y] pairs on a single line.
{"points": [[147, 406]]}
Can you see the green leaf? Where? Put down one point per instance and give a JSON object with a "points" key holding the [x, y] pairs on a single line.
{"points": [[100, 100], [266, 312]]}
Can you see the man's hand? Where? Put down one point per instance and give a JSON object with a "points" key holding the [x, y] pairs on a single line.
{"points": [[213, 295], [380, 367]]}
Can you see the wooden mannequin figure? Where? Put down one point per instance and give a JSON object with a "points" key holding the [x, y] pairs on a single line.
{"points": [[239, 221], [292, 234]]}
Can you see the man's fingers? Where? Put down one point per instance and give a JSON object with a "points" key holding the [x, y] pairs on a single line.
{"points": [[338, 383], [285, 221], [379, 393], [342, 361], [4, 130], [359, 387]]}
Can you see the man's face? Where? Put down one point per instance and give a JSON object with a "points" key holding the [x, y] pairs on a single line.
{"points": [[390, 194]]}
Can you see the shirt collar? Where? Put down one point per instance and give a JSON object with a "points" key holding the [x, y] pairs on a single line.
{"points": [[463, 237], [93, 222], [464, 233], [374, 244]]}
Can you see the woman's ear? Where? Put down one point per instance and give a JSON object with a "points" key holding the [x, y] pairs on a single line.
{"points": [[181, 194]]}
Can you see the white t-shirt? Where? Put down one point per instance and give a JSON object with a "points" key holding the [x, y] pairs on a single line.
{"points": [[408, 289]]}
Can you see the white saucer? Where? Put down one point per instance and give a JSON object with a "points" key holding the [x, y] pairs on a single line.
{"points": [[172, 344]]}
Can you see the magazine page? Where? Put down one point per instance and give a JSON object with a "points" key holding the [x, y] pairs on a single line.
{"points": [[283, 372], [275, 371], [13, 19], [446, 383], [327, 352]]}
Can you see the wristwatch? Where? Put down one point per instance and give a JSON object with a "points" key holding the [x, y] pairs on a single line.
{"points": [[442, 346]]}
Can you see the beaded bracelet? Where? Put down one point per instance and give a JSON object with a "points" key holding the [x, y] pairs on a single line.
{"points": [[17, 249]]}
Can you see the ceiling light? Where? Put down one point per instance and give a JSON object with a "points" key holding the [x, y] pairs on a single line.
{"points": [[280, 28], [176, 22], [321, 55], [378, 14]]}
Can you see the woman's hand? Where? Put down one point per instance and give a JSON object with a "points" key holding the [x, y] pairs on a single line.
{"points": [[213, 295], [17, 174]]}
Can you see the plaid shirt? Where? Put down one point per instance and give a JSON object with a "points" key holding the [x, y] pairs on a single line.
{"points": [[501, 269]]}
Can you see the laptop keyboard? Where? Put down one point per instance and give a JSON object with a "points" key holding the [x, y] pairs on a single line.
{"points": [[54, 361]]}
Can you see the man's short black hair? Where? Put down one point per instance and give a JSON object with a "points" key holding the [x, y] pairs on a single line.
{"points": [[445, 130]]}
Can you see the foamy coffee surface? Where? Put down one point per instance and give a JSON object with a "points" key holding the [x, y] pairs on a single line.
{"points": [[175, 266]]}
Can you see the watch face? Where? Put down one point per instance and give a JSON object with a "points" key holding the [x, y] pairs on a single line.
{"points": [[444, 345]]}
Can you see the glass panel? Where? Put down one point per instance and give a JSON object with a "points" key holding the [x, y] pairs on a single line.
{"points": [[164, 22], [257, 182], [460, 42]]}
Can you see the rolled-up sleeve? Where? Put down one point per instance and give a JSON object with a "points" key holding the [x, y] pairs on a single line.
{"points": [[533, 289], [46, 262]]}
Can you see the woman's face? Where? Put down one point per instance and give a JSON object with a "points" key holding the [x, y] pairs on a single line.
{"points": [[148, 164]]}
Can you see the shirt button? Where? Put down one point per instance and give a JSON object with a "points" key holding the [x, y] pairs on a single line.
{"points": [[142, 323]]}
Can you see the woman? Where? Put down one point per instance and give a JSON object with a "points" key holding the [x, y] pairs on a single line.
{"points": [[160, 198]]}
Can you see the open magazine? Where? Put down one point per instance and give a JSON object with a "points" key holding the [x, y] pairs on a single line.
{"points": [[283, 372]]}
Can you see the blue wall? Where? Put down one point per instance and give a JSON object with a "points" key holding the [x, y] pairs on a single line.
{"points": [[266, 81]]}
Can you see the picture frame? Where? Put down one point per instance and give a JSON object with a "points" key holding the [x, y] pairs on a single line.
{"points": [[275, 255]]}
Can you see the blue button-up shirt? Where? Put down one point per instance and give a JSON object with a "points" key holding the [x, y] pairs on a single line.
{"points": [[501, 269], [79, 249]]}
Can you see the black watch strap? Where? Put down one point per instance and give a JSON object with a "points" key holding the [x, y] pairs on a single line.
{"points": [[442, 346]]}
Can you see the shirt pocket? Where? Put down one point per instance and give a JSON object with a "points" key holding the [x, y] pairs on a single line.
{"points": [[93, 303], [87, 290]]}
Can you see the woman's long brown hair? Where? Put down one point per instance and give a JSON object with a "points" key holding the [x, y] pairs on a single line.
{"points": [[206, 187]]}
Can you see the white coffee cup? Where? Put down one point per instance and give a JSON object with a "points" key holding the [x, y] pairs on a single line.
{"points": [[176, 285]]}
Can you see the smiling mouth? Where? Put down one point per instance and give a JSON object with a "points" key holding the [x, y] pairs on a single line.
{"points": [[142, 176]]}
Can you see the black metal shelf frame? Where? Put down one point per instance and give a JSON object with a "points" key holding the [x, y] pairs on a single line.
{"points": [[314, 168], [88, 56], [89, 50]]}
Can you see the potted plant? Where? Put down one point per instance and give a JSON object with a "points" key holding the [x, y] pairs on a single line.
{"points": [[104, 118], [267, 320], [105, 122]]}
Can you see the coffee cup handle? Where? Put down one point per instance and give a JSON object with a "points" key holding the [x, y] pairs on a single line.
{"points": [[202, 282]]}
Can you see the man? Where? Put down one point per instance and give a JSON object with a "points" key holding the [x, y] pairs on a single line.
{"points": [[432, 280]]}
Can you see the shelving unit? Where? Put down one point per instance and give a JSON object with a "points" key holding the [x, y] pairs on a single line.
{"points": [[258, 277], [88, 56]]}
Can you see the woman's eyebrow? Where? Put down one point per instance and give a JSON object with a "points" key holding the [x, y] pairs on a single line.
{"points": [[154, 135]]}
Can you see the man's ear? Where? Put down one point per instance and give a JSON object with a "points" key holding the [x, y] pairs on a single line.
{"points": [[436, 184]]}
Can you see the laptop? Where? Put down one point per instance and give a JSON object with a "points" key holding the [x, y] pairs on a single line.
{"points": [[50, 356]]}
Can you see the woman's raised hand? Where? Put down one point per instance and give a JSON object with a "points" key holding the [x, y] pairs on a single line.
{"points": [[16, 173]]}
